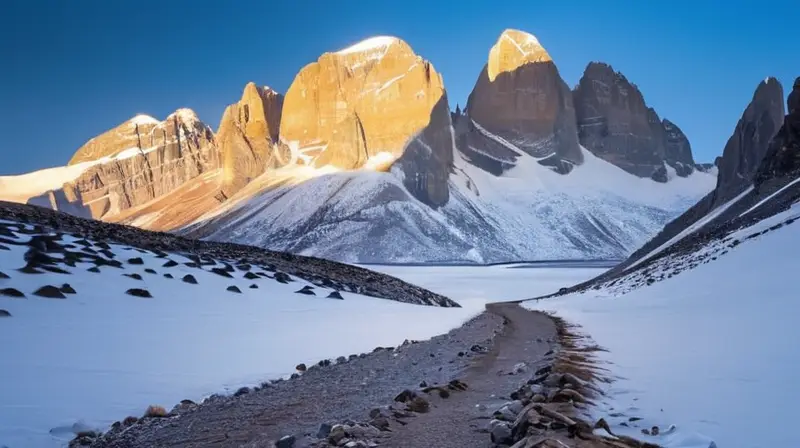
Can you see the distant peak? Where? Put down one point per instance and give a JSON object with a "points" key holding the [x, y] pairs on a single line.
{"points": [[371, 44], [185, 115], [521, 38], [143, 119]]}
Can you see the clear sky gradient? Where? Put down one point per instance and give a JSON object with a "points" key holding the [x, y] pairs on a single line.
{"points": [[73, 69]]}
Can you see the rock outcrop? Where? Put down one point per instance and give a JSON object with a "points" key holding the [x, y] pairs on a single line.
{"points": [[163, 157], [783, 154], [248, 137], [615, 124], [133, 133], [373, 104], [519, 106]]}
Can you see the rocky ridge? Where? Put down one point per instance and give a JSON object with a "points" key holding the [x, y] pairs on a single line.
{"points": [[617, 125]]}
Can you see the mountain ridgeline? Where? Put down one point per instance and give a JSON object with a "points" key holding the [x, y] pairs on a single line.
{"points": [[363, 160]]}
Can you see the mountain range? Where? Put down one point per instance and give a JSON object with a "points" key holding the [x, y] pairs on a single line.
{"points": [[363, 160]]}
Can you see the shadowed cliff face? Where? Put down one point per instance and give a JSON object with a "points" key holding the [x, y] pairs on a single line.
{"points": [[615, 123], [747, 146], [783, 155], [373, 105]]}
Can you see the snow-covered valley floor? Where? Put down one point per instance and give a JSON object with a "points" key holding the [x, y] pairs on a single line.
{"points": [[712, 350], [99, 355]]}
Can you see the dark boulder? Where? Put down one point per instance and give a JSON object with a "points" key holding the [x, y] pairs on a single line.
{"points": [[138, 292], [49, 292]]}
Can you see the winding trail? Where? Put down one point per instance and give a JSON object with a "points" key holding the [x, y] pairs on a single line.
{"points": [[457, 422]]}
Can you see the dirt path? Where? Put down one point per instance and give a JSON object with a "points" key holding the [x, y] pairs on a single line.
{"points": [[349, 390], [457, 422]]}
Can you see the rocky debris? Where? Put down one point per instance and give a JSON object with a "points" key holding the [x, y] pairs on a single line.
{"points": [[251, 276], [4, 313], [11, 292], [285, 442], [307, 290], [136, 261], [248, 137], [66, 288], [50, 292], [335, 295], [388, 101], [253, 286], [345, 277], [189, 278], [234, 289], [521, 98], [301, 367], [138, 292], [150, 271], [134, 276], [616, 124], [168, 275], [241, 391], [222, 272], [169, 264], [3, 276], [155, 412]]}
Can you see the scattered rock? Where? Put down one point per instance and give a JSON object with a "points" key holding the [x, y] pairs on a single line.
{"points": [[500, 432], [324, 431], [11, 292], [251, 276], [285, 442], [335, 295], [234, 289], [295, 376], [134, 276], [222, 272], [301, 368], [341, 360], [150, 271], [169, 264], [168, 275], [519, 368], [253, 286], [155, 412], [242, 391], [94, 269], [49, 292], [189, 278], [136, 260], [419, 405], [67, 289], [4, 313], [283, 277], [337, 434], [307, 290], [138, 292], [130, 420], [324, 363], [3, 275]]}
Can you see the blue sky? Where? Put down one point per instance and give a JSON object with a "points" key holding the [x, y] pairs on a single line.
{"points": [[73, 69]]}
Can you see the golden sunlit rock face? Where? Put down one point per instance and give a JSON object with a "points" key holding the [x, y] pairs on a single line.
{"points": [[520, 97], [374, 98], [163, 156], [248, 137], [514, 49], [127, 135]]}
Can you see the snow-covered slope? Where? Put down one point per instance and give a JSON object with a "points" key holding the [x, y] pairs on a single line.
{"points": [[123, 328], [598, 211], [702, 339]]}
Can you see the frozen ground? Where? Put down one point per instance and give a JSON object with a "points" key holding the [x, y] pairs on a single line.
{"points": [[491, 283], [100, 354], [712, 350]]}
